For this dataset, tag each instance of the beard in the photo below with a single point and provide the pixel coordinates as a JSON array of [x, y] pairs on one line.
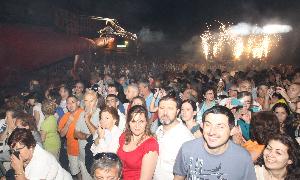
[[165, 120]]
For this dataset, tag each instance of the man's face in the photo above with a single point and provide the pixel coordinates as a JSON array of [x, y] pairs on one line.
[[79, 88], [209, 95], [63, 93], [167, 112], [245, 86], [90, 102], [262, 90], [143, 90], [112, 90], [293, 91], [131, 93], [111, 102], [216, 131], [72, 104], [232, 92], [106, 174], [10, 121]]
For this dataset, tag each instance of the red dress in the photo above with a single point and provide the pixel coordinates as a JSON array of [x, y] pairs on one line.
[[132, 161]]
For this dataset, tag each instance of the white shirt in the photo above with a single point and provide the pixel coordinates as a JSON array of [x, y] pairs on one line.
[[38, 108], [169, 144], [122, 121], [43, 165], [110, 143]]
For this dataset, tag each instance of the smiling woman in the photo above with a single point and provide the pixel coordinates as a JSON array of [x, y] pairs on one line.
[[138, 149], [280, 159]]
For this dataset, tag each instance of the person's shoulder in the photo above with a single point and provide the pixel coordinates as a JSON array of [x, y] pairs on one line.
[[237, 149], [192, 143]]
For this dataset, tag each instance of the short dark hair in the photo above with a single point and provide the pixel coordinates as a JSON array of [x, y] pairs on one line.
[[112, 95], [26, 120], [172, 98], [220, 110], [263, 125], [22, 136]]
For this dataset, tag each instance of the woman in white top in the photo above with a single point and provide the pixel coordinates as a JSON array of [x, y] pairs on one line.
[[36, 110], [30, 161], [106, 138], [280, 160]]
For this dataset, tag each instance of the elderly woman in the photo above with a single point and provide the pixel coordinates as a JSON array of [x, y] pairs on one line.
[[30, 161], [106, 166]]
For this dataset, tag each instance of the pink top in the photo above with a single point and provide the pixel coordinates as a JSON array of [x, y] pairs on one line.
[[132, 161]]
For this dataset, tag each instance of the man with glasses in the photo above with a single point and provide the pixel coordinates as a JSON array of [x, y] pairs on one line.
[[30, 161], [107, 166]]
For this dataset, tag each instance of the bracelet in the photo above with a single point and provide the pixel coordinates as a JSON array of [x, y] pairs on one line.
[[19, 174]]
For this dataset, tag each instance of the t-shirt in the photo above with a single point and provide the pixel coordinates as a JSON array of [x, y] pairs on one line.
[[52, 141], [43, 165], [194, 162], [72, 143], [132, 161], [81, 126]]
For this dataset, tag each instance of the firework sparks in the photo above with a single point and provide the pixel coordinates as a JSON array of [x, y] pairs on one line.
[[242, 40]]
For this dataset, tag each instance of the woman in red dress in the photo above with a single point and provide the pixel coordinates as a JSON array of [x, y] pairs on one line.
[[138, 149]]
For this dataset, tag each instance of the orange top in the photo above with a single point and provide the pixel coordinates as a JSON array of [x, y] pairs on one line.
[[254, 149], [72, 143]]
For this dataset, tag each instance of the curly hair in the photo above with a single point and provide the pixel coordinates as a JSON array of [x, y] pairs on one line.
[[263, 125], [48, 107], [293, 153], [137, 109]]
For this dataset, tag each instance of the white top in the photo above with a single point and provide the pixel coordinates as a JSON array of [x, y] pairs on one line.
[[38, 108], [122, 121], [43, 165], [110, 143], [259, 170], [169, 145]]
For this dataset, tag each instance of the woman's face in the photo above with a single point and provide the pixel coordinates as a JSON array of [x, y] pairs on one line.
[[281, 114], [138, 124], [187, 112], [106, 120], [276, 155], [25, 152]]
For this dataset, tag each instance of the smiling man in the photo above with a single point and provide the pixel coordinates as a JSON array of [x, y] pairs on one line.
[[214, 156]]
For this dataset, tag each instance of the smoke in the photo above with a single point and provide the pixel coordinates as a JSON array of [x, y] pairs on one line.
[[146, 35], [243, 29]]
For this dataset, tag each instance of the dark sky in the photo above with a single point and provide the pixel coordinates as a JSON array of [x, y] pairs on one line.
[[177, 19], [184, 17]]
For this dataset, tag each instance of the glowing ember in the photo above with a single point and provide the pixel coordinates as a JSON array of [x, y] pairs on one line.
[[242, 41]]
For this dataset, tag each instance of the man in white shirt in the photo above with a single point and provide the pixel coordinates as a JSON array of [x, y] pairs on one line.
[[170, 136]]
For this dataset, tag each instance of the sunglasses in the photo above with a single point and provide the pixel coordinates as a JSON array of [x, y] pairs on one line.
[[106, 155]]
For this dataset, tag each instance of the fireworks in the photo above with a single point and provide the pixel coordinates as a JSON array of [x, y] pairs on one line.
[[241, 41]]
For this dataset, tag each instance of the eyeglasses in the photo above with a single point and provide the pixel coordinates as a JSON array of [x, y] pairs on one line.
[[15, 151], [107, 155]]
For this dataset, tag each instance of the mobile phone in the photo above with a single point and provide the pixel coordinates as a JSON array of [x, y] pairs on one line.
[[17, 154]]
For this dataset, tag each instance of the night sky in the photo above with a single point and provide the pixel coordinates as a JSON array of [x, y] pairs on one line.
[[177, 20]]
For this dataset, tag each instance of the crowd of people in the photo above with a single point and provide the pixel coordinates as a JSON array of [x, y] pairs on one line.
[[157, 120]]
